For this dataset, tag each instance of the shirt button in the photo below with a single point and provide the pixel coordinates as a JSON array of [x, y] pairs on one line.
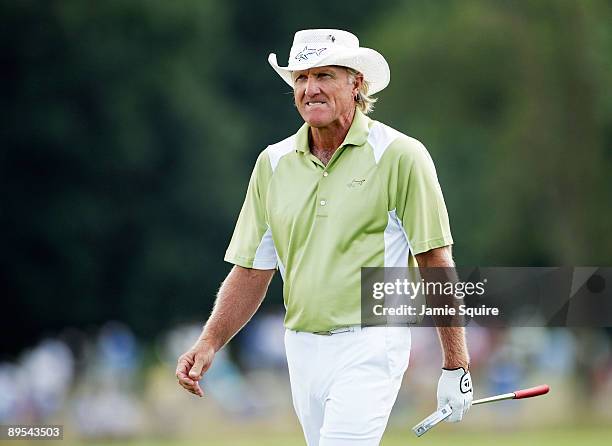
[[323, 202], [325, 174]]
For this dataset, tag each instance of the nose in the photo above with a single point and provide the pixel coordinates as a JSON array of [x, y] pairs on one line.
[[312, 86]]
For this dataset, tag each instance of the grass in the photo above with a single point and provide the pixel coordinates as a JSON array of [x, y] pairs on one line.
[[585, 436]]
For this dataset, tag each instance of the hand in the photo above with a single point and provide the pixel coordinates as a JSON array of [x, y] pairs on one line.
[[455, 388], [193, 364]]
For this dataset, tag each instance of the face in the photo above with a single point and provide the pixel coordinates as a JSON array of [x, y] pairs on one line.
[[324, 95]]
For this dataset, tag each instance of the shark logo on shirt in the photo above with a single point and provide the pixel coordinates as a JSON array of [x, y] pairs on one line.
[[356, 183]]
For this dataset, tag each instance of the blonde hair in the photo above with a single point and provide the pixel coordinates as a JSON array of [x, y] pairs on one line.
[[363, 100]]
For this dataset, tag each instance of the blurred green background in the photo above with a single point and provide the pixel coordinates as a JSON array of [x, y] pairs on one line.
[[129, 132]]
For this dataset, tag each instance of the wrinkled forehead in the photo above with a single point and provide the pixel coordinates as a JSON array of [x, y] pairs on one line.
[[315, 70]]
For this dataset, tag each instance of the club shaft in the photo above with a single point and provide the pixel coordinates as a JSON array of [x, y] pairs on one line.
[[491, 399], [517, 394]]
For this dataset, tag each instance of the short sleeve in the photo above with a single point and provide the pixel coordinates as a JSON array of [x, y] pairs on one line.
[[420, 204], [251, 245]]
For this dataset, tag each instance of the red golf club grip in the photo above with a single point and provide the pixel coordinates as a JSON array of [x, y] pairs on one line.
[[532, 391]]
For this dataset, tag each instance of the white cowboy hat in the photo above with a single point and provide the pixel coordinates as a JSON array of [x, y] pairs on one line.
[[321, 47]]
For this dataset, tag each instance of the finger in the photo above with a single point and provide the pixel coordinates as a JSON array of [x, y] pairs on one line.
[[462, 410], [182, 371], [455, 417], [187, 381], [198, 369], [198, 390], [187, 384], [457, 411], [462, 404], [182, 368], [195, 388], [190, 385], [182, 376], [187, 387], [442, 402], [467, 405]]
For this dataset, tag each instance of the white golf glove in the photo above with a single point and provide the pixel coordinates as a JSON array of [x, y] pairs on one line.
[[455, 388]]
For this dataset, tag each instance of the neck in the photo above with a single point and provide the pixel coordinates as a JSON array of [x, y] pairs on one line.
[[329, 138]]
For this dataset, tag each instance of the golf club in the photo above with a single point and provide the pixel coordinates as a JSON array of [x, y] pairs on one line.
[[445, 411]]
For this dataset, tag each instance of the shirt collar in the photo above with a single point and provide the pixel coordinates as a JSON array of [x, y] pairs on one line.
[[356, 136]]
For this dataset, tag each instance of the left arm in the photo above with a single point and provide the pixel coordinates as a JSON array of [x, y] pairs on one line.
[[452, 339], [455, 384]]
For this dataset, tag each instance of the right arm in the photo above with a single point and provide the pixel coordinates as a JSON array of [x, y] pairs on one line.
[[238, 299]]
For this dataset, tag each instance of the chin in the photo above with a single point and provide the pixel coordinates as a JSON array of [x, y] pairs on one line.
[[318, 124], [317, 120]]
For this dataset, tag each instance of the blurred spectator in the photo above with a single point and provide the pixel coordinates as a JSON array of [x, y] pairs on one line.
[[262, 342], [108, 414], [10, 394], [107, 405], [45, 374]]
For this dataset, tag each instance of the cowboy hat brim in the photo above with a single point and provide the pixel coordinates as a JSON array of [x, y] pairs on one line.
[[367, 61]]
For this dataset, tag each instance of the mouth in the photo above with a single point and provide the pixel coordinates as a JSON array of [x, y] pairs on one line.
[[314, 103]]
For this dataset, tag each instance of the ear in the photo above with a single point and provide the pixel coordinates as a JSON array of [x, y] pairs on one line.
[[358, 83]]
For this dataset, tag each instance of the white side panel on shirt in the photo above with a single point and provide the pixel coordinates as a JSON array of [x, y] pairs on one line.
[[397, 246], [265, 256]]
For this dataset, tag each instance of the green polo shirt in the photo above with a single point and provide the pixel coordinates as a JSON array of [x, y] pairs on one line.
[[377, 203]]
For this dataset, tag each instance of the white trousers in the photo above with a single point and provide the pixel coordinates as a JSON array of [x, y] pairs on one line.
[[344, 385]]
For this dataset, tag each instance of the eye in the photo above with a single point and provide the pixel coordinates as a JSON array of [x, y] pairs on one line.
[[301, 77], [323, 75]]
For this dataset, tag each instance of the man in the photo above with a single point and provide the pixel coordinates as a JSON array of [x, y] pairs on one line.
[[343, 192]]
